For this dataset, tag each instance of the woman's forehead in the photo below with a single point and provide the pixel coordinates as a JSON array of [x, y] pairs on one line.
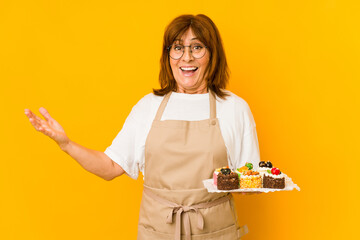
[[188, 35], [183, 40]]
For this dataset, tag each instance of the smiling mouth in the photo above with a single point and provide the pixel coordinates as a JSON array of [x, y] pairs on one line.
[[188, 71]]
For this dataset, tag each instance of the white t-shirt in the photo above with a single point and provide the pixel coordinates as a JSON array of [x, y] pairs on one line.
[[237, 126]]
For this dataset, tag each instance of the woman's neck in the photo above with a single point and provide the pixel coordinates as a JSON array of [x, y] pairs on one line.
[[201, 90]]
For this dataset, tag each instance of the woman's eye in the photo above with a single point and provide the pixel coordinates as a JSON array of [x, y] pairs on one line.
[[197, 47], [178, 47]]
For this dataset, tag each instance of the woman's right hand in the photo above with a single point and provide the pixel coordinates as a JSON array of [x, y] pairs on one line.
[[50, 127], [93, 161]]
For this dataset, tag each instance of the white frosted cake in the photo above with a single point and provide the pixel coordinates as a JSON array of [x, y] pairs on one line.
[[264, 167], [274, 179]]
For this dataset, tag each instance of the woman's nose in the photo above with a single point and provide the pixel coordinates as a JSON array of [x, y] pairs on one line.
[[187, 54]]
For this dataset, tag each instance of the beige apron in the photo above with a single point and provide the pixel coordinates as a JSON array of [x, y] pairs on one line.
[[175, 204]]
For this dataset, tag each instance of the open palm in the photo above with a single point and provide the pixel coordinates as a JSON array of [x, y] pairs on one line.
[[50, 127]]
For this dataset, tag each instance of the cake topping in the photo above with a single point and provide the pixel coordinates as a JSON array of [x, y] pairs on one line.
[[275, 171], [250, 173], [249, 165], [269, 164], [225, 171], [262, 164], [242, 169]]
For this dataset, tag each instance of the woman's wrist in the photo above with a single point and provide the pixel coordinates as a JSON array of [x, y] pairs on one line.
[[65, 146]]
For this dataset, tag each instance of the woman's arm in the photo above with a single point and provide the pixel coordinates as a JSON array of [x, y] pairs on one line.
[[93, 161]]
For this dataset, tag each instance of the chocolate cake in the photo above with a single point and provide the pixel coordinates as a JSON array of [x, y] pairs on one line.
[[227, 180], [274, 179]]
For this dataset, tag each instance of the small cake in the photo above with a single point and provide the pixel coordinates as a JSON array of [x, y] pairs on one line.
[[227, 179], [250, 179], [215, 175], [264, 167], [274, 178]]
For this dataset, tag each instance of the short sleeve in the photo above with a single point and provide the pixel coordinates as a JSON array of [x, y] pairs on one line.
[[246, 141], [122, 149], [250, 147], [249, 144], [127, 149]]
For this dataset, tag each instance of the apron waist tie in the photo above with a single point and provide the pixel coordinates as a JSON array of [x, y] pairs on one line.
[[179, 210]]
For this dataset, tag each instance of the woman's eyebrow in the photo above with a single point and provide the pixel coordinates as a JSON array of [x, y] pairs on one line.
[[180, 40]]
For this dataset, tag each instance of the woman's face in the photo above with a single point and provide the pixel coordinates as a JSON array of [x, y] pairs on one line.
[[189, 72]]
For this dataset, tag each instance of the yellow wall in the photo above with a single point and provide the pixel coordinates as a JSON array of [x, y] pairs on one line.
[[88, 62]]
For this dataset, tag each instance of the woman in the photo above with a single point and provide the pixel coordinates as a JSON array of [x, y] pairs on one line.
[[176, 137]]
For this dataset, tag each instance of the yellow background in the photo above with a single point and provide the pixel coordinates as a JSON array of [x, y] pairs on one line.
[[88, 62]]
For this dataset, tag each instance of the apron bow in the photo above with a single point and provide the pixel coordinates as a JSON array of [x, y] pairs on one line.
[[179, 210]]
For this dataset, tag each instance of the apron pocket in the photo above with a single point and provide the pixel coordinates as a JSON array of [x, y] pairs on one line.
[[229, 233], [146, 233], [216, 218]]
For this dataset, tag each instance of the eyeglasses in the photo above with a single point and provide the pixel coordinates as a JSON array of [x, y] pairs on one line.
[[197, 50]]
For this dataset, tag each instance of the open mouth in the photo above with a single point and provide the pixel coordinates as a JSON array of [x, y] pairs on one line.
[[188, 71]]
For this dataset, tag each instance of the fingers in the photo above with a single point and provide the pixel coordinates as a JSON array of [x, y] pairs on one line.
[[39, 124], [250, 193], [46, 130], [28, 113], [36, 121], [45, 113]]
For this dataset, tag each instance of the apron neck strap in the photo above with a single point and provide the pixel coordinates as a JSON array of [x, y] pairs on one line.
[[167, 97], [212, 105], [162, 106]]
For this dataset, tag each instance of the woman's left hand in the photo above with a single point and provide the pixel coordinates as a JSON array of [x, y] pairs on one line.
[[247, 193]]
